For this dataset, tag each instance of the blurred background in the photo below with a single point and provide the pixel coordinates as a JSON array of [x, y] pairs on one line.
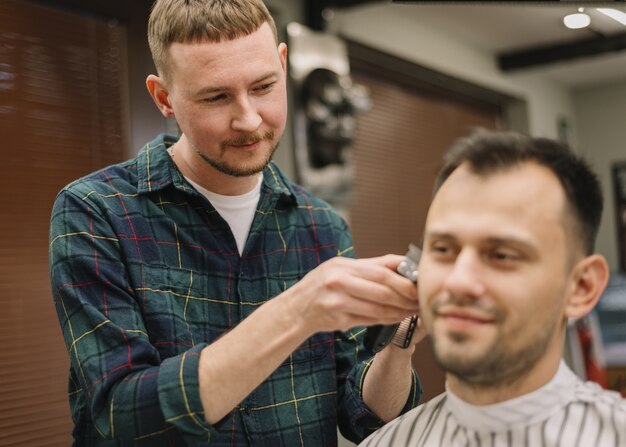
[[378, 90]]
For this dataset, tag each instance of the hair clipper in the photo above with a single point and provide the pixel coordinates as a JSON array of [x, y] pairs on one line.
[[380, 335]]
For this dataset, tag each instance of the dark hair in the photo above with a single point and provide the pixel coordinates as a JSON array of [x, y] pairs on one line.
[[487, 152]]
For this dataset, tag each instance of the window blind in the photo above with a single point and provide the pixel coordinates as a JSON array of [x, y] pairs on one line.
[[62, 90], [397, 153]]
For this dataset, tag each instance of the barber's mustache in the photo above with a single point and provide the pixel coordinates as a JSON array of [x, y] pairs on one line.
[[248, 139]]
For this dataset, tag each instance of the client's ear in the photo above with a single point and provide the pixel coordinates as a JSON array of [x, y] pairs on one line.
[[588, 280]]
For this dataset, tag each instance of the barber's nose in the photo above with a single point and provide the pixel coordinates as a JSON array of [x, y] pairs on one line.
[[466, 276], [246, 118]]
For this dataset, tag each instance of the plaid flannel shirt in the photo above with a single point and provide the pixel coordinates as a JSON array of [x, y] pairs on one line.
[[145, 273]]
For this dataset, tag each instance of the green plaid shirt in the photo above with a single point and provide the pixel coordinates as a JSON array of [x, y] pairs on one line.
[[145, 273]]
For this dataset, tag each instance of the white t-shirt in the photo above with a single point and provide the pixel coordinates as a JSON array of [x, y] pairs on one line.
[[237, 211], [566, 412]]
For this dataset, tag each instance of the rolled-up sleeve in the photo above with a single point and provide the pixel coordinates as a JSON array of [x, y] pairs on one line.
[[355, 419]]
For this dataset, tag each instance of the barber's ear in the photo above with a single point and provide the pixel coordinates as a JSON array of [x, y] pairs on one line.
[[160, 95], [282, 54], [588, 281]]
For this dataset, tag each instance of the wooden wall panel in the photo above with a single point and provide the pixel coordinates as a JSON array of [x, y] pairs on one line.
[[62, 79]]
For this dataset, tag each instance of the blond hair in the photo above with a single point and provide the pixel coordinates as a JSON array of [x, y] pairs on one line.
[[201, 20]]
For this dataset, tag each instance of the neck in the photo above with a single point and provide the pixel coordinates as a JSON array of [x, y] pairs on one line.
[[507, 389], [194, 167]]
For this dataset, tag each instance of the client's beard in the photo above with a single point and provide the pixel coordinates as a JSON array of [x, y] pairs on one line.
[[499, 363]]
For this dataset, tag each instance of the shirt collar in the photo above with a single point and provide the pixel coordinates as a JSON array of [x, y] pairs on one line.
[[157, 171], [524, 410]]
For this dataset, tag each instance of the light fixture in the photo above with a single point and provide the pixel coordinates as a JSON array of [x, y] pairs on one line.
[[619, 16], [577, 20]]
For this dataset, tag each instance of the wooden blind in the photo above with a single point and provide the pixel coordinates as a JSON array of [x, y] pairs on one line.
[[397, 152], [61, 114]]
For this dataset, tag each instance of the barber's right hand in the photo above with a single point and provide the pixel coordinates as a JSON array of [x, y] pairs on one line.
[[343, 293]]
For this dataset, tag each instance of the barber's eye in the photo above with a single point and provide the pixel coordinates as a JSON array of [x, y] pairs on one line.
[[214, 99], [264, 87]]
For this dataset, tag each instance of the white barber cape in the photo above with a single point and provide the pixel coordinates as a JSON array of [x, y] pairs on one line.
[[566, 412]]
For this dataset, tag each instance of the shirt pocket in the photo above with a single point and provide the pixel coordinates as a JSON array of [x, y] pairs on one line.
[[183, 307]]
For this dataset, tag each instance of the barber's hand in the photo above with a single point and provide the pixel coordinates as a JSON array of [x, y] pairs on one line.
[[343, 293]]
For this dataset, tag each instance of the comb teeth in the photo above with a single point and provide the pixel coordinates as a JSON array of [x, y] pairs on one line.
[[402, 337]]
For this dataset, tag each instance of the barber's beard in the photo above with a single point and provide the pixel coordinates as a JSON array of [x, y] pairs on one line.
[[242, 169], [501, 362]]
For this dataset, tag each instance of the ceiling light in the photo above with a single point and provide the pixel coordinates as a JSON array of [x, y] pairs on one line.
[[576, 21], [620, 16]]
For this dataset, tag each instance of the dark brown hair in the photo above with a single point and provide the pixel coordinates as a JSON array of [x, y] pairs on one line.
[[487, 152]]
